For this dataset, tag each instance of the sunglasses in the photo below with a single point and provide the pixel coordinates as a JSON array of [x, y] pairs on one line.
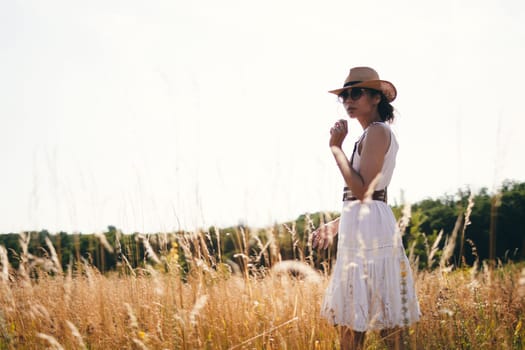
[[355, 94]]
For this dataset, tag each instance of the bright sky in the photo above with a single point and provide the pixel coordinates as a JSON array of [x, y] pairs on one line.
[[160, 115]]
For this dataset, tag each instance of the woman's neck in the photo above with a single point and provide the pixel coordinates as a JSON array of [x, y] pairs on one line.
[[367, 120]]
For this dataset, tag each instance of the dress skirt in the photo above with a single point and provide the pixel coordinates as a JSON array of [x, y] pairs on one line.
[[371, 286]]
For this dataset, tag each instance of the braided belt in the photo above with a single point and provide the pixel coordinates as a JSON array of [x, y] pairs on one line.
[[377, 195]]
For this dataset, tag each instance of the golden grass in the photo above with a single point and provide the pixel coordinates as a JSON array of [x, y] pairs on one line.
[[215, 308]]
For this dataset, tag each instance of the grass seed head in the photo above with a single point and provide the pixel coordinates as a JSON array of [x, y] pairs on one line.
[[521, 283], [76, 334], [53, 343], [297, 269], [4, 263]]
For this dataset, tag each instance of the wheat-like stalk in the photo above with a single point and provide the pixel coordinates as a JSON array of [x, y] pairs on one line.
[[450, 244], [54, 257], [53, 343], [4, 262], [76, 334], [104, 242], [263, 250], [150, 253], [297, 268], [157, 283], [139, 344], [132, 319], [199, 304], [468, 212], [264, 333], [521, 283], [275, 255], [434, 249], [404, 220]]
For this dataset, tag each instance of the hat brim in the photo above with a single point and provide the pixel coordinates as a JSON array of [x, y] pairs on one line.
[[386, 87]]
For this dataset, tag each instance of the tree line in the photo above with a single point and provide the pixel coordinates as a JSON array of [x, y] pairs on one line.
[[483, 225]]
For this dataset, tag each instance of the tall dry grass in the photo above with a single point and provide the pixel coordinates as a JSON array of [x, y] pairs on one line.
[[213, 305]]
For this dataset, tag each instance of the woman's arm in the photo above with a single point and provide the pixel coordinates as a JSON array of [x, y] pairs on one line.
[[374, 147]]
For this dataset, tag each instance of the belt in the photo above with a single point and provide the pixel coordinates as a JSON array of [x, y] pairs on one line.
[[377, 195]]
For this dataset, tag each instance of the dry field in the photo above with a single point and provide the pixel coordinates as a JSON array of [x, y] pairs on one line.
[[212, 306]]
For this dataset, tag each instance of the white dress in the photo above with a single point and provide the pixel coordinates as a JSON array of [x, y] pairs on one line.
[[371, 286]]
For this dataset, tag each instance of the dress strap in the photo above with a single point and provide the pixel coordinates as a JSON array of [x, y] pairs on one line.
[[356, 144], [353, 153]]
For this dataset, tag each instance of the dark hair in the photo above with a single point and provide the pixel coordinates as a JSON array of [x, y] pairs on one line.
[[385, 109]]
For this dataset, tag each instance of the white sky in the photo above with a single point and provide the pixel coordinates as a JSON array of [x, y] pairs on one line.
[[160, 115]]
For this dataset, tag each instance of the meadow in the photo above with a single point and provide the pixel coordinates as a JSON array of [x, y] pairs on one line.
[[209, 303]]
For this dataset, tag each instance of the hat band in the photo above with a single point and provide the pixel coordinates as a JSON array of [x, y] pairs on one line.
[[350, 83]]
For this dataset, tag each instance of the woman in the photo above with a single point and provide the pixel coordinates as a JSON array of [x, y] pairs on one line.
[[371, 287]]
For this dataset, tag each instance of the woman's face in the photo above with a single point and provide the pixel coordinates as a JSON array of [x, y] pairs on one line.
[[358, 102]]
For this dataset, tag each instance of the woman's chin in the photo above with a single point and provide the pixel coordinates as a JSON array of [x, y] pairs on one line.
[[351, 114]]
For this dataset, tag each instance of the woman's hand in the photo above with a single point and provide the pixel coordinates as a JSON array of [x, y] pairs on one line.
[[338, 133], [324, 235]]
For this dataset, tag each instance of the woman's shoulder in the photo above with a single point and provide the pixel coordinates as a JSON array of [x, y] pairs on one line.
[[379, 125], [380, 135], [378, 129]]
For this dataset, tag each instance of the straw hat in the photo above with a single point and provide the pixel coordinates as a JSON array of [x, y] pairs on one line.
[[366, 77]]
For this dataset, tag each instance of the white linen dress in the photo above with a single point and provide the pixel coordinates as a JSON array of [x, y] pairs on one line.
[[371, 286]]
